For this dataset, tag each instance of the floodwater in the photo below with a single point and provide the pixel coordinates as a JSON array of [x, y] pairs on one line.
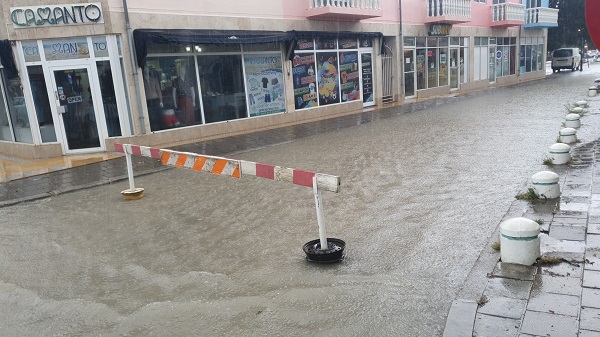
[[203, 255]]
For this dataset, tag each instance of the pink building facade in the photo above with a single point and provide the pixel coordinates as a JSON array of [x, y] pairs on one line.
[[79, 76]]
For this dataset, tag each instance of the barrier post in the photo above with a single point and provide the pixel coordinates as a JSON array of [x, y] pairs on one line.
[[320, 217], [132, 193], [130, 171]]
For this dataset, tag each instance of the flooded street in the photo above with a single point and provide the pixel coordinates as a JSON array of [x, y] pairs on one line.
[[202, 255]]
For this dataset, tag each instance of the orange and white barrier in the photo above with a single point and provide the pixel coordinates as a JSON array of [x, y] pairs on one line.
[[235, 169], [231, 167]]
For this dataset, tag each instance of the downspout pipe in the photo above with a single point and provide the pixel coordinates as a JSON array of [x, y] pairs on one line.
[[136, 81], [401, 42]]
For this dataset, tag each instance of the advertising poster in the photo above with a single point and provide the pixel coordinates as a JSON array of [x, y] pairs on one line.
[[305, 83], [264, 82], [367, 77], [327, 78], [349, 76]]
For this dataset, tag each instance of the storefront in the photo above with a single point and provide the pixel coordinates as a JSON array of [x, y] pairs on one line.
[[64, 93], [194, 77]]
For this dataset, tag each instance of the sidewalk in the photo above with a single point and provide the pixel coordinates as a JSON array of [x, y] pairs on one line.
[[561, 299], [43, 178]]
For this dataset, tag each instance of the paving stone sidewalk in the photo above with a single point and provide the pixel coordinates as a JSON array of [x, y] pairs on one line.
[[558, 299]]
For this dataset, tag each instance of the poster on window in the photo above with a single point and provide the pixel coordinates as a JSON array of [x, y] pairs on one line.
[[305, 83], [327, 77], [367, 77], [264, 83], [349, 76]]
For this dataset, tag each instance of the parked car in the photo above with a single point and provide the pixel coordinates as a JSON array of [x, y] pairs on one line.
[[566, 58]]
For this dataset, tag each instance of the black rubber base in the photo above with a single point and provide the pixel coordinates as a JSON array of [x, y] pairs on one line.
[[333, 253]]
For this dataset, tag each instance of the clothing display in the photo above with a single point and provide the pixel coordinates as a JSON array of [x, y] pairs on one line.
[[185, 102]]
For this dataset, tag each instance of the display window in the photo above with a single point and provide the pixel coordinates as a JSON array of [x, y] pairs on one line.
[[333, 73], [221, 83]]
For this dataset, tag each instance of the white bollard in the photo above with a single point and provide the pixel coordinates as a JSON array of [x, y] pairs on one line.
[[592, 92], [519, 241], [568, 135], [559, 153], [576, 110], [573, 121], [545, 184]]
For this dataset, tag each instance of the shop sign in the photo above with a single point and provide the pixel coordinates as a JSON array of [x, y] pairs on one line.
[[56, 15], [66, 49], [439, 29]]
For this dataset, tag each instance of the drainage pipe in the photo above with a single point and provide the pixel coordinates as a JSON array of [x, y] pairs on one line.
[[136, 81]]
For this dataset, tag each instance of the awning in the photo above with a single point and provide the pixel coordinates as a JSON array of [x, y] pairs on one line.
[[201, 36], [7, 59], [141, 38]]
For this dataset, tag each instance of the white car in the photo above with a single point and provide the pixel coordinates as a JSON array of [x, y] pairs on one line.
[[566, 58]]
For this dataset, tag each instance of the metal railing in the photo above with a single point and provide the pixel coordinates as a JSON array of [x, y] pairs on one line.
[[541, 15], [453, 8], [359, 4], [508, 12]]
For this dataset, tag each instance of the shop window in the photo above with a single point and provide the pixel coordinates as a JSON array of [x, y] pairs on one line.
[[264, 83], [366, 43], [261, 47], [432, 67], [31, 51], [41, 103], [100, 46], [305, 44], [5, 130], [109, 99], [348, 44], [17, 109], [305, 81], [409, 42], [66, 49], [421, 69], [176, 77], [222, 87], [325, 43], [349, 76], [327, 78]]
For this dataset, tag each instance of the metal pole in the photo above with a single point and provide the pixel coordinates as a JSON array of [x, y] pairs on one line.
[[129, 171], [134, 68], [320, 218]]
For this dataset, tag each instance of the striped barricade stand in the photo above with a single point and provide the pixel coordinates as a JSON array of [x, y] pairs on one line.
[[323, 250]]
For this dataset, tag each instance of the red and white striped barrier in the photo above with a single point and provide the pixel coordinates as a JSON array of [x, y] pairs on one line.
[[231, 167], [235, 169]]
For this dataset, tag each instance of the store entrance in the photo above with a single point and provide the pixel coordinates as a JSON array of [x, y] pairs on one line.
[[75, 98]]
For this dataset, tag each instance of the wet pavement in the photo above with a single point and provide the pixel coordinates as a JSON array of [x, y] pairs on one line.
[[424, 187]]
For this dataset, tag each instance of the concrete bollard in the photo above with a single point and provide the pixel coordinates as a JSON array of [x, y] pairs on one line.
[[519, 241], [592, 92], [573, 121], [545, 184], [559, 153], [568, 135], [576, 110], [583, 104]]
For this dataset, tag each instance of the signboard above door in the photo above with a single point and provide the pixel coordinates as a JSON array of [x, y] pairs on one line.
[[57, 15]]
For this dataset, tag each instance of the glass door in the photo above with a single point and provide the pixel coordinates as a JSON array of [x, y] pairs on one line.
[[75, 98], [409, 73], [366, 76], [454, 62], [492, 62]]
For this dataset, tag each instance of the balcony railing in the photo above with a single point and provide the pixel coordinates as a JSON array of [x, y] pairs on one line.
[[448, 11], [360, 4], [508, 14], [345, 10], [541, 17]]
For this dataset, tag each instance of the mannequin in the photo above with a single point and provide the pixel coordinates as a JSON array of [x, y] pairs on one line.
[[184, 96], [154, 99]]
